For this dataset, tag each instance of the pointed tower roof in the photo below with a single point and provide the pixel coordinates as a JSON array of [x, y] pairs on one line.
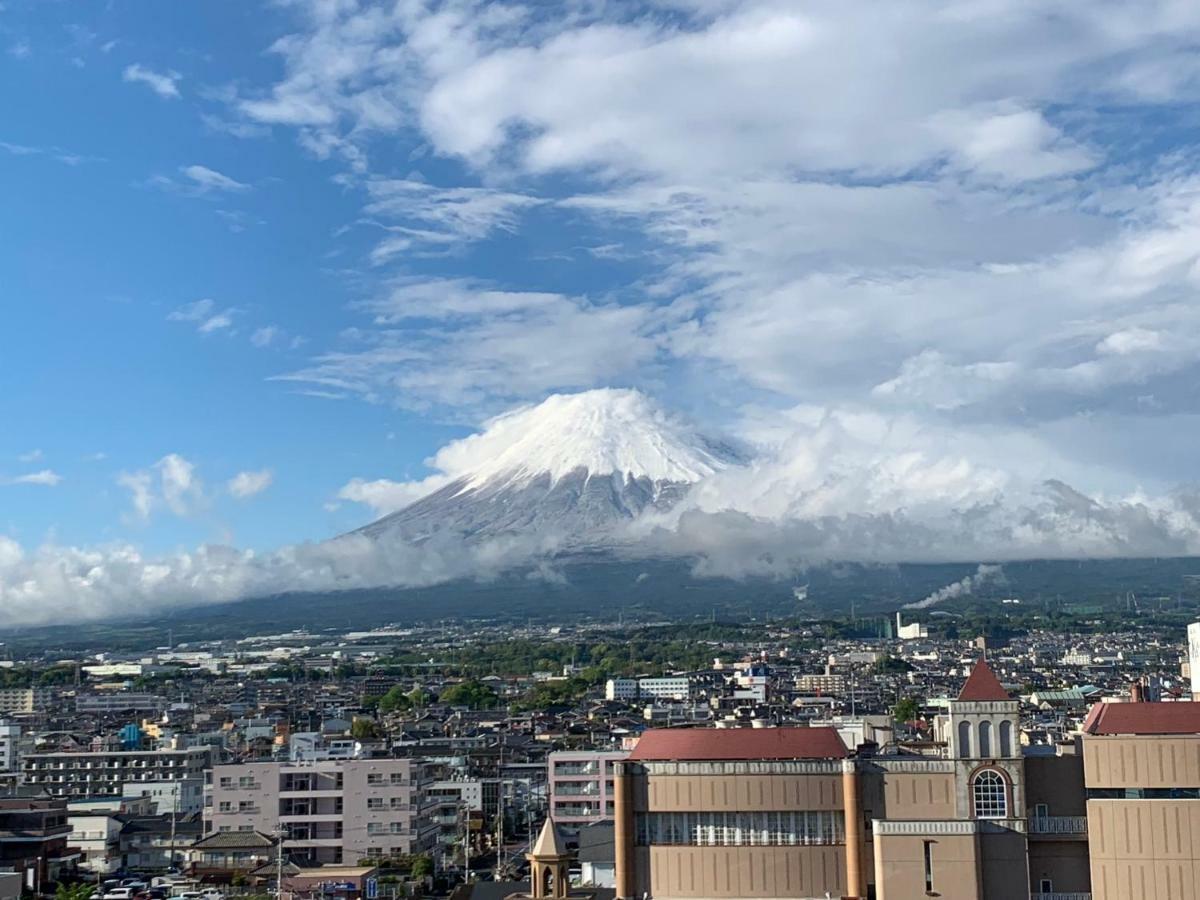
[[549, 843], [982, 685]]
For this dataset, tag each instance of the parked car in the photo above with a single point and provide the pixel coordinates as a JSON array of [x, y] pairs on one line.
[[119, 893]]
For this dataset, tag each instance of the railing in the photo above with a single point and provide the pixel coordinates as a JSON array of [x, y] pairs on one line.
[[1061, 895], [1058, 825]]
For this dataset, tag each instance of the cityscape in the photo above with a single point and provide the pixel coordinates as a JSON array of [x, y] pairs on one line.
[[612, 760], [599, 450]]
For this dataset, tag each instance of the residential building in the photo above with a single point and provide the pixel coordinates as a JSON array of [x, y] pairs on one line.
[[149, 843], [119, 703], [181, 797], [23, 700], [33, 836], [106, 774], [581, 786], [10, 747], [673, 687], [335, 811], [225, 856]]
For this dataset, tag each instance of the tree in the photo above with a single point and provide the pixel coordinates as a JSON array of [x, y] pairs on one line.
[[906, 709], [394, 700], [471, 694], [422, 866], [364, 729], [74, 891]]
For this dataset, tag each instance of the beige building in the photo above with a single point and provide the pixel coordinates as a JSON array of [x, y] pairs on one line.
[[1141, 769], [790, 813], [334, 812]]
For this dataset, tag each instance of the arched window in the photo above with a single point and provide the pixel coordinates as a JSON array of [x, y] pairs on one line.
[[964, 739], [990, 793], [1006, 743], [985, 739]]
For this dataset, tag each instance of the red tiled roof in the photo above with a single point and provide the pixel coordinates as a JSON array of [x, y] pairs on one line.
[[982, 685], [1143, 718], [705, 744]]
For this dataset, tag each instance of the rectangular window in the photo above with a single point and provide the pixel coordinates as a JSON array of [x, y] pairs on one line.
[[397, 778], [374, 778], [225, 806], [928, 867], [374, 828], [738, 829], [374, 803], [1045, 886]]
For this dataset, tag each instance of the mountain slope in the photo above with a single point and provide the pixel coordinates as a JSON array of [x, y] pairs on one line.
[[571, 472]]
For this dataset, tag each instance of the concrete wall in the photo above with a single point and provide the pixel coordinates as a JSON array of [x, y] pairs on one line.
[[1145, 762], [1056, 781], [744, 793], [767, 872], [1004, 866], [900, 867], [1144, 848], [1065, 863], [908, 795]]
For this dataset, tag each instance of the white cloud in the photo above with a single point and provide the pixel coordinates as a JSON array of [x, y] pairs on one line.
[[206, 179], [45, 477], [171, 483], [265, 336], [165, 84], [385, 496], [248, 484], [31, 456], [503, 344], [432, 219], [204, 315]]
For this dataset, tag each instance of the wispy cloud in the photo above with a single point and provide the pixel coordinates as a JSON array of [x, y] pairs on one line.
[[66, 157], [198, 181], [248, 484], [204, 315], [45, 478], [165, 84]]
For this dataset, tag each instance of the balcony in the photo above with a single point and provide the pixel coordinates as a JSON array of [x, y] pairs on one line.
[[1061, 895], [1058, 826]]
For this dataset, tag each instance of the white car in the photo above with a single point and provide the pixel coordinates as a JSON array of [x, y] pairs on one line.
[[119, 893]]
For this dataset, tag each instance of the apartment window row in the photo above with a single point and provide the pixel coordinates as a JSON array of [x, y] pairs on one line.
[[375, 828], [244, 782], [741, 829], [395, 779], [1172, 793], [392, 803]]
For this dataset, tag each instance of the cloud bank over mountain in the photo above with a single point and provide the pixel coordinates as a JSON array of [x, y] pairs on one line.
[[841, 487]]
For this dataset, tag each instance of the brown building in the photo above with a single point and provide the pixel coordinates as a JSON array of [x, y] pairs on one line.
[[790, 813], [1141, 769]]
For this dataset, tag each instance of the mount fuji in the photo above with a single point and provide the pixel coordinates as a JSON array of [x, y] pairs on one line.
[[570, 473]]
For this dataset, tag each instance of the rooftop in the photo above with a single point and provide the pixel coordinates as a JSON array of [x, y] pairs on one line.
[[711, 744], [982, 685], [1143, 718]]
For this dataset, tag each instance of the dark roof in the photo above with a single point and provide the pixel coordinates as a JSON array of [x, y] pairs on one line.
[[234, 840], [821, 742], [1181, 717], [982, 686]]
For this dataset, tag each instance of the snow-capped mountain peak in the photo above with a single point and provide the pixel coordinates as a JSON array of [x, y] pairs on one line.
[[574, 469], [604, 431]]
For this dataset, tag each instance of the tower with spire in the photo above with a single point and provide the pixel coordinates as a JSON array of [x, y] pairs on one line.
[[549, 865]]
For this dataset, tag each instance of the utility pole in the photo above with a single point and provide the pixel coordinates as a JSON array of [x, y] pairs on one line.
[[174, 808], [280, 831]]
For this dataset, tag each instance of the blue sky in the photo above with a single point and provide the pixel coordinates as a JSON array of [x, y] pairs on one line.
[[106, 237], [261, 261]]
